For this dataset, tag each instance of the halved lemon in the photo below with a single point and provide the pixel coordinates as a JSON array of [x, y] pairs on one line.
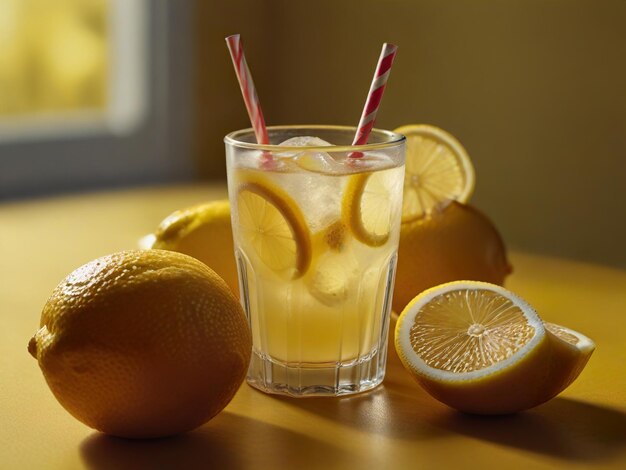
[[438, 170], [273, 227], [367, 206], [479, 348]]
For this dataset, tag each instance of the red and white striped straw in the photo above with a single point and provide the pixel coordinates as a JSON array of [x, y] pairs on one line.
[[374, 97], [247, 88]]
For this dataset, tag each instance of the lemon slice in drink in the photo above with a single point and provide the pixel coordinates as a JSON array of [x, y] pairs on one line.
[[272, 226], [367, 205], [475, 347], [438, 170]]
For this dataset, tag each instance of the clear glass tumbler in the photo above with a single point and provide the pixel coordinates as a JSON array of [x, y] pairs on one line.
[[316, 224]]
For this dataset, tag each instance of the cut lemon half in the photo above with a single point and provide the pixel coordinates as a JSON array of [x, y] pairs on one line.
[[367, 206], [480, 348], [476, 347], [272, 226], [438, 170]]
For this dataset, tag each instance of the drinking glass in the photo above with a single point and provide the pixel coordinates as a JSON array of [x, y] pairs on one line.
[[316, 224]]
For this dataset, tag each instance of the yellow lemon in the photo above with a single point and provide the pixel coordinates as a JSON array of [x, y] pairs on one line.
[[143, 343], [204, 232], [458, 242], [438, 170], [481, 349]]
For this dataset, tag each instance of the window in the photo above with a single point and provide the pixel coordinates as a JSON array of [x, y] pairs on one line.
[[86, 97], [54, 59]]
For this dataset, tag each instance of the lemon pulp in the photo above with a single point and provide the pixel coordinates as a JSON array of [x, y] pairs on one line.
[[467, 330]]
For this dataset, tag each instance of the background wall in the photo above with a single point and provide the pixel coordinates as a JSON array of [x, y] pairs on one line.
[[533, 88]]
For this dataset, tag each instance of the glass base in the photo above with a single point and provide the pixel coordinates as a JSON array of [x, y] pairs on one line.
[[316, 380]]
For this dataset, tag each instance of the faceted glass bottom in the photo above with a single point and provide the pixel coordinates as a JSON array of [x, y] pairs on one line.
[[314, 380]]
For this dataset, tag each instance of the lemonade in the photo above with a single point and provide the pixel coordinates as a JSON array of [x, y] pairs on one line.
[[316, 234]]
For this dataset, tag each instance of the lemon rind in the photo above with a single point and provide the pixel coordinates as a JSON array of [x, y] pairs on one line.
[[585, 344], [182, 222], [352, 215]]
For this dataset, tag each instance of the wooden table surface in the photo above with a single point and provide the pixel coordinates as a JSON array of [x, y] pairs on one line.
[[396, 426]]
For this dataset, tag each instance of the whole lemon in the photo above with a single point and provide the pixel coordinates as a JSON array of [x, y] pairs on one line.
[[204, 232], [456, 243], [143, 344]]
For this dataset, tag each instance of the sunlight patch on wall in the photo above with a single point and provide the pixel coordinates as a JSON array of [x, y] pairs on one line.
[[72, 68], [54, 57]]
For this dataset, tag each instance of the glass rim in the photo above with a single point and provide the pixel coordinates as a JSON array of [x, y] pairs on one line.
[[393, 139]]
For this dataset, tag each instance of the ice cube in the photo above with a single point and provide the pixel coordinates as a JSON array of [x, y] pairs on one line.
[[319, 162], [307, 181], [311, 160], [305, 141]]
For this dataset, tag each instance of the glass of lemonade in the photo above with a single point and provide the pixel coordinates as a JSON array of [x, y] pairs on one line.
[[316, 223]]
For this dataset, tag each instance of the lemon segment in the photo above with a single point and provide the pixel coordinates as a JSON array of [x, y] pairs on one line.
[[367, 206], [571, 351], [272, 226], [438, 170]]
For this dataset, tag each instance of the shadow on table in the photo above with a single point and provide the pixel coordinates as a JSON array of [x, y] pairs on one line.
[[228, 441], [562, 428]]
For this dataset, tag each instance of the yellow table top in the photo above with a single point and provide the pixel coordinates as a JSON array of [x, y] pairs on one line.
[[396, 426]]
